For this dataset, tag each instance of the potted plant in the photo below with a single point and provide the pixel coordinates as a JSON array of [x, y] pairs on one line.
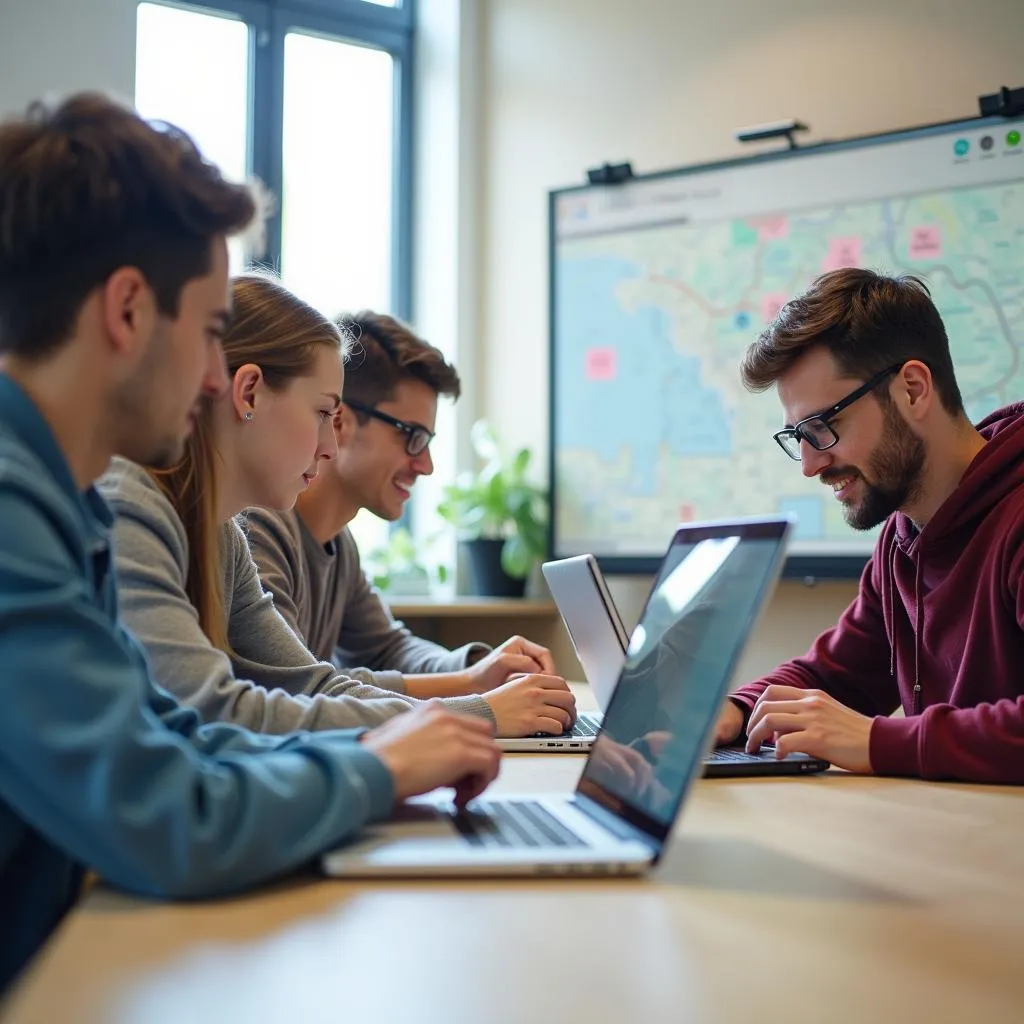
[[501, 517], [397, 568]]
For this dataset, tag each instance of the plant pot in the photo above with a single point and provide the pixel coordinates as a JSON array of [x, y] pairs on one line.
[[486, 576]]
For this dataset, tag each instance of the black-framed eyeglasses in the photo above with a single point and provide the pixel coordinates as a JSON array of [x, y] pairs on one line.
[[817, 430], [417, 437]]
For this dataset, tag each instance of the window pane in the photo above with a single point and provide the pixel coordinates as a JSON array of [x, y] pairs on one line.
[[369, 531], [337, 168], [192, 69]]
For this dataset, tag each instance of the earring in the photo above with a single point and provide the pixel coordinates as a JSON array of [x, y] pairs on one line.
[[248, 416]]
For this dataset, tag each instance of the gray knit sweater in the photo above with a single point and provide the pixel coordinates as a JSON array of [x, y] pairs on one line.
[[271, 683], [324, 595]]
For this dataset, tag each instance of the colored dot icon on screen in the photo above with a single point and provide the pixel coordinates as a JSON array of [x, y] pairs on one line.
[[961, 146], [987, 142], [1013, 137], [742, 320]]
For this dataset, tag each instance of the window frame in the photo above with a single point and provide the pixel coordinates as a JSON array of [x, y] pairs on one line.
[[391, 29]]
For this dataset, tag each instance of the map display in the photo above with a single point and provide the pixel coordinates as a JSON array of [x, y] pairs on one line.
[[659, 286]]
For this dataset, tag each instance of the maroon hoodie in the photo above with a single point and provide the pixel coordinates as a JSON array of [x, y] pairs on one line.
[[938, 625]]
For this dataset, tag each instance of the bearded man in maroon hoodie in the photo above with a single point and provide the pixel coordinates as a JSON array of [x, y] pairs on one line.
[[872, 408]]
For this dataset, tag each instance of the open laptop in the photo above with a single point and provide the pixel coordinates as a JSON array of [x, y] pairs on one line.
[[600, 639], [657, 728]]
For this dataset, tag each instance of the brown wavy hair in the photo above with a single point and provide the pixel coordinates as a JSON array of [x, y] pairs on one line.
[[867, 321], [385, 352], [281, 334], [86, 187]]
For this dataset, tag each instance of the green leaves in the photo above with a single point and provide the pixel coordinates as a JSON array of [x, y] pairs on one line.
[[515, 558], [397, 565], [499, 502]]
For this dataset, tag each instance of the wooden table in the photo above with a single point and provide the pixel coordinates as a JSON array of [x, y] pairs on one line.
[[825, 900]]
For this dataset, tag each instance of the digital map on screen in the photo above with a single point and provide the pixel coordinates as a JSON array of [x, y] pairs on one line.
[[653, 425]]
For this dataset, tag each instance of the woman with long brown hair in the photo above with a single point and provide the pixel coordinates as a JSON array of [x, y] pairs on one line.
[[187, 585]]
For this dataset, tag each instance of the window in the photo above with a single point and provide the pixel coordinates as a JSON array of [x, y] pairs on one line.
[[337, 173], [214, 108], [314, 98]]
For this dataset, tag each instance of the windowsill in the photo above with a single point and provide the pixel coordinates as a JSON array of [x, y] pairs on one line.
[[471, 607]]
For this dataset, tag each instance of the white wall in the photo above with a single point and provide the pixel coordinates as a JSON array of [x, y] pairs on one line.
[[52, 47], [572, 83]]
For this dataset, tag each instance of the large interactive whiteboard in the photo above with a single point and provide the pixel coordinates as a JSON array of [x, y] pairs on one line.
[[659, 284]]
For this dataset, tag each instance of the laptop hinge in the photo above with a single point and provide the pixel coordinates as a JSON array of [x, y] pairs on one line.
[[613, 823]]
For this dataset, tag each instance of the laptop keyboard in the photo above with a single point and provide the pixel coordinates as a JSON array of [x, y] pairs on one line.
[[513, 823], [734, 754], [585, 728]]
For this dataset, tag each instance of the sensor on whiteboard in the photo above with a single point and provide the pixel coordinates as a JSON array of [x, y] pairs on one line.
[[771, 130]]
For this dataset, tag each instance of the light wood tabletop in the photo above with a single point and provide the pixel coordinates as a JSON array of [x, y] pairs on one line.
[[820, 899]]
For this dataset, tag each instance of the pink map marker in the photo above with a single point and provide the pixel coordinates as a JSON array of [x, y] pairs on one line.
[[771, 304], [842, 252], [602, 364], [771, 229], [926, 242]]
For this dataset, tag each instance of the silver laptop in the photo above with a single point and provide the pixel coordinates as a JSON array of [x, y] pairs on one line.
[[593, 623], [658, 725], [599, 639]]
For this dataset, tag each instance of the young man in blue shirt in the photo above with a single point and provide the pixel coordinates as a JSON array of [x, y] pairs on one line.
[[113, 300]]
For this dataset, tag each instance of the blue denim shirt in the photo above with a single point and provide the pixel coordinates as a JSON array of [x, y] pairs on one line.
[[99, 767]]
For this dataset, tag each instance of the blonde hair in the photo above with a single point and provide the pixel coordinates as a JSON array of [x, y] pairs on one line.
[[281, 334]]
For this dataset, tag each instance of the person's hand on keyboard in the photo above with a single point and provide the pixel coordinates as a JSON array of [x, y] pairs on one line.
[[516, 656], [431, 747], [810, 722], [527, 705]]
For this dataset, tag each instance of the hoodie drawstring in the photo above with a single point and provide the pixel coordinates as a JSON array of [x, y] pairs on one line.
[[891, 607], [918, 623], [918, 627]]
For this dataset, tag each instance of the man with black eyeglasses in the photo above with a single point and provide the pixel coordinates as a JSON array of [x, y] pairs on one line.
[[308, 558], [873, 410]]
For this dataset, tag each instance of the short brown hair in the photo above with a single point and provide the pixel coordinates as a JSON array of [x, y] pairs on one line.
[[385, 352], [282, 335], [868, 322], [87, 187]]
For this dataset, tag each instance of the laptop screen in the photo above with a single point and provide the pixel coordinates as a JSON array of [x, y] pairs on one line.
[[678, 666]]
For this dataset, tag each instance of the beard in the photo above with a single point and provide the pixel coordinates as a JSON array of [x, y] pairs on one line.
[[148, 439], [893, 478]]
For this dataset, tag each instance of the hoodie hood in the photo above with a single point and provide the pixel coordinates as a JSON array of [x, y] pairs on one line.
[[997, 470]]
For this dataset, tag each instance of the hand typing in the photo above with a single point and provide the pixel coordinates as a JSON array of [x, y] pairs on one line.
[[811, 722]]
